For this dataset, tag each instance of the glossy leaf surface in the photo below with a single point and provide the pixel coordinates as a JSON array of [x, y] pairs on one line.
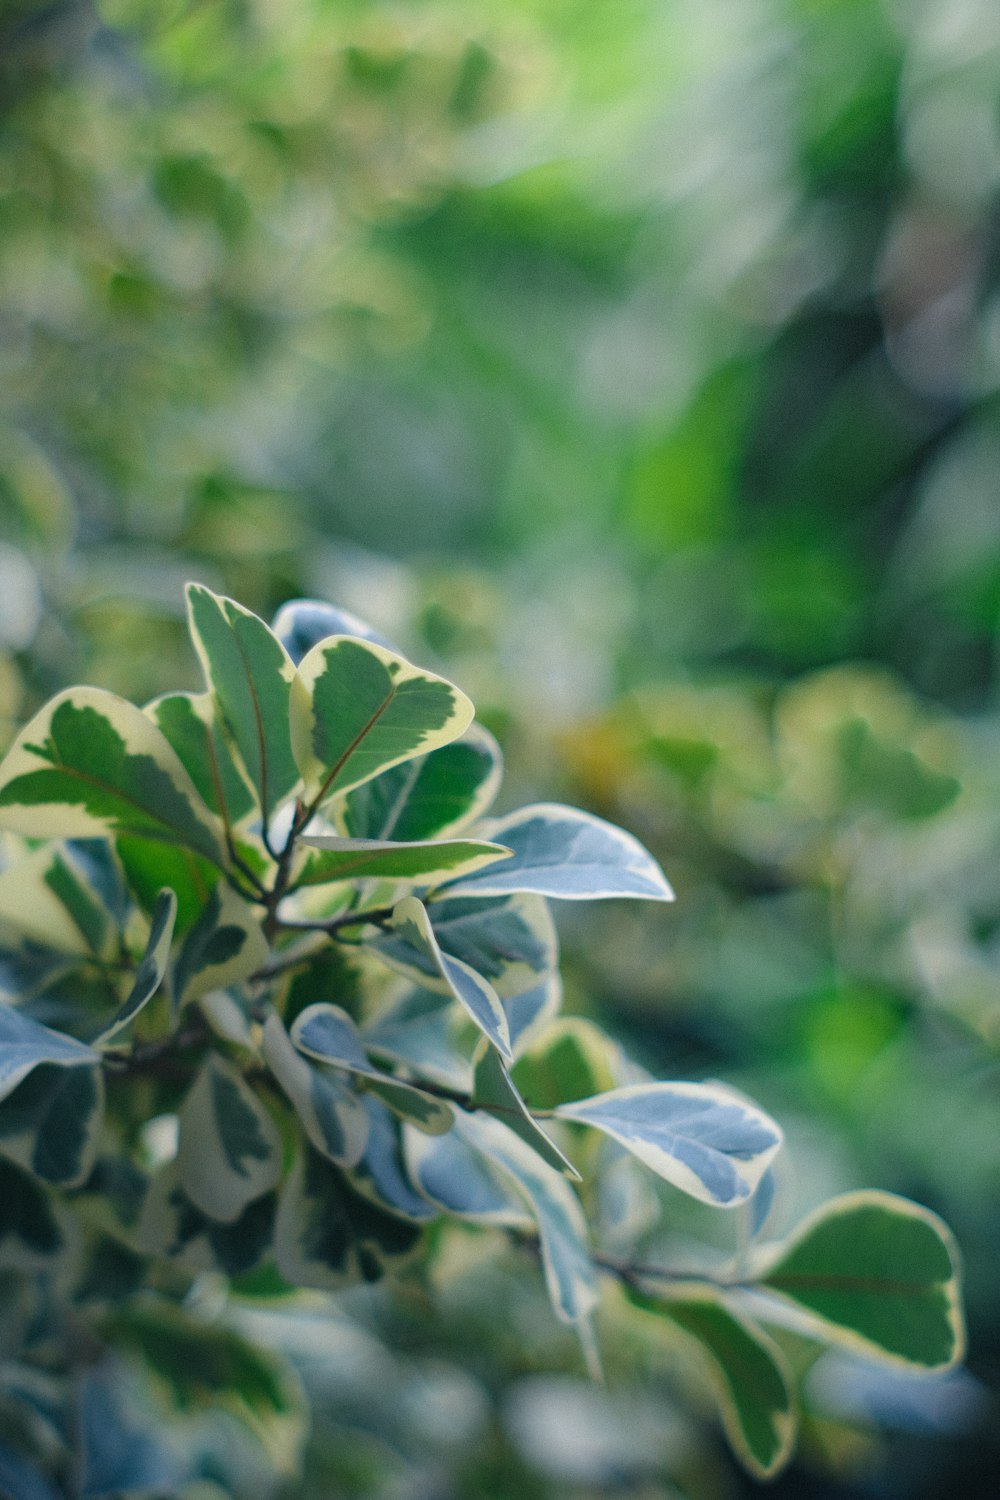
[[561, 852], [705, 1139]]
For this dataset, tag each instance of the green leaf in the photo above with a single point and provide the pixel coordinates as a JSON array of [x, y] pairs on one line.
[[205, 1366], [152, 967], [705, 1139], [25, 1043], [358, 710], [50, 1125], [229, 1150], [409, 944], [332, 1115], [749, 1372], [426, 863], [880, 1273], [90, 765], [88, 914], [429, 797], [494, 1090], [225, 946], [572, 1058], [328, 1236], [562, 852], [149, 867], [327, 1034], [189, 722], [28, 1226], [249, 674]]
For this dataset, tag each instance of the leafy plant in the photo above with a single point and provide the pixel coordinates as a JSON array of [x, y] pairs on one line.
[[283, 1003]]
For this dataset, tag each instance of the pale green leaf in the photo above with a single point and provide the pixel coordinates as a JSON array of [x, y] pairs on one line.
[[426, 863], [562, 852], [229, 1150]]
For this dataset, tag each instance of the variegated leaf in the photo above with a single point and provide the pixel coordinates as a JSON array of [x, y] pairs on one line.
[[31, 907], [327, 1034], [225, 946], [51, 1123], [511, 940], [494, 1090], [409, 944], [249, 674], [570, 1274], [328, 1236], [331, 1113], [191, 723], [430, 797], [562, 852], [429, 862], [879, 1274], [358, 709], [171, 1225], [152, 966], [91, 765], [752, 1381], [705, 1139], [417, 1031], [453, 1174], [380, 1174], [24, 1044], [229, 1150]]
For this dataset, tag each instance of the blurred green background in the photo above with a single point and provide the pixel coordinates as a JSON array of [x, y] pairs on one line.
[[638, 365]]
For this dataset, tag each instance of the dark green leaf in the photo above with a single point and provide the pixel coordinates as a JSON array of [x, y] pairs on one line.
[[248, 672], [494, 1090], [431, 796], [749, 1372], [880, 1273], [152, 966]]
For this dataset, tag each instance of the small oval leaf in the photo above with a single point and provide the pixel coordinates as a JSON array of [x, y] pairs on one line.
[[571, 855], [705, 1139]]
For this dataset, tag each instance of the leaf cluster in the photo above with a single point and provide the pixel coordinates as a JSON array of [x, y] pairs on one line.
[[282, 1000]]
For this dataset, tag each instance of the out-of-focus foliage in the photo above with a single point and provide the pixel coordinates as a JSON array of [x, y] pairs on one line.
[[641, 362]]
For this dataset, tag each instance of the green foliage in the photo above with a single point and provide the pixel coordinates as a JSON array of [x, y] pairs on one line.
[[350, 1049]]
